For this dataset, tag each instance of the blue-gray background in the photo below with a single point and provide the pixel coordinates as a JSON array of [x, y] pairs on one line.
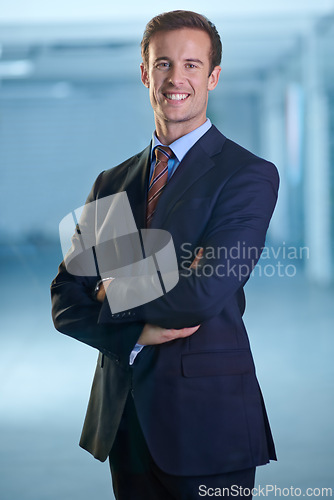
[[71, 105]]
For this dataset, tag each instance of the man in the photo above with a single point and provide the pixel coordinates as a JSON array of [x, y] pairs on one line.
[[183, 416]]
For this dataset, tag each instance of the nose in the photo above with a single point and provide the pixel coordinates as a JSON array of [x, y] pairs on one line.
[[176, 75]]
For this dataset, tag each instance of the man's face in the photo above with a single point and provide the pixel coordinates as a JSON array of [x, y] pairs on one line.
[[178, 76]]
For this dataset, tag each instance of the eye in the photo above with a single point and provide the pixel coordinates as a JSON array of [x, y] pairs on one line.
[[163, 65], [191, 65]]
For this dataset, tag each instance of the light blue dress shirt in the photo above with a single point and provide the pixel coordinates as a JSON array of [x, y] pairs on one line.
[[180, 148]]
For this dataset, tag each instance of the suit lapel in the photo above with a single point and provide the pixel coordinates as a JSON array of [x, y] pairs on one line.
[[194, 165], [136, 186]]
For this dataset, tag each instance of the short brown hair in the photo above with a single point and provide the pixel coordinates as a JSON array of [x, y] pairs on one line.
[[178, 19]]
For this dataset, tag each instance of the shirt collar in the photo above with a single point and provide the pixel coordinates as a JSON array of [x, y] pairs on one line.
[[181, 146]]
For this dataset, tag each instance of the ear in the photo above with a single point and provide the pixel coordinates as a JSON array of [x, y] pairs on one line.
[[214, 78], [144, 75]]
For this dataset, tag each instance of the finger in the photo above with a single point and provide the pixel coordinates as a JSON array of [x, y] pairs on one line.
[[184, 332], [197, 258]]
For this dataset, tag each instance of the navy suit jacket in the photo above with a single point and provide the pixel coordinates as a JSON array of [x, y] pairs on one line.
[[198, 399]]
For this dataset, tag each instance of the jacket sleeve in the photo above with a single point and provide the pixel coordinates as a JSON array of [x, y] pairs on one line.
[[233, 242], [75, 312]]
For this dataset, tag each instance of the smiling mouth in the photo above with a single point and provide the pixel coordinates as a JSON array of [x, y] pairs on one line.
[[176, 97]]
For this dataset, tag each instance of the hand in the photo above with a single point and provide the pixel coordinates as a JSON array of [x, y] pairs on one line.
[[100, 296], [153, 335], [197, 258]]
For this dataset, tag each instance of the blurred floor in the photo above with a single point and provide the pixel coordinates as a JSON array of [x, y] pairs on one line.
[[45, 384], [46, 378]]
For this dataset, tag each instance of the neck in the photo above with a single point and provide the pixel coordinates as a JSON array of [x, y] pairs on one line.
[[168, 132]]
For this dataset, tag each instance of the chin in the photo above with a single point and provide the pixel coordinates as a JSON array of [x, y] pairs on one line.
[[176, 115]]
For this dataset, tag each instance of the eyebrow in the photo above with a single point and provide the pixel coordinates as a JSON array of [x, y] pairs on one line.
[[196, 61], [193, 60]]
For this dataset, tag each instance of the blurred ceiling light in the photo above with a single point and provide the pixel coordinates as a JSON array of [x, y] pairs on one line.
[[15, 69]]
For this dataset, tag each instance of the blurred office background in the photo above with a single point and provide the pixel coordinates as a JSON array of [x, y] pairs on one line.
[[71, 105]]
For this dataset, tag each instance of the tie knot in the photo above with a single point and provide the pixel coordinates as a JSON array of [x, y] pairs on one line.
[[163, 153]]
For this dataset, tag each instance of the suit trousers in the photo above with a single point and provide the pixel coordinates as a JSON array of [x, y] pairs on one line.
[[135, 475]]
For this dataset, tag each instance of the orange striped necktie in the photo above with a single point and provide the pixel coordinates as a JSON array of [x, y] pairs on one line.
[[158, 181]]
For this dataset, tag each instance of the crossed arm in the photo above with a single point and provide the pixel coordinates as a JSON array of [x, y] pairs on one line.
[[234, 219], [154, 334]]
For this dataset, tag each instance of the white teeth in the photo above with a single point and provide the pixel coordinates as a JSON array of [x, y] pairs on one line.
[[176, 97]]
